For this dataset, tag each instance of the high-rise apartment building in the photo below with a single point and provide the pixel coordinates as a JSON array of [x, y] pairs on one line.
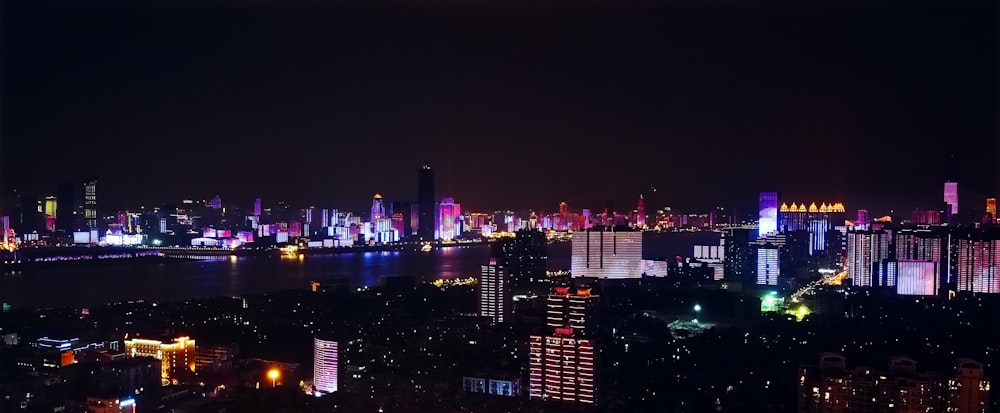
[[563, 365], [978, 263], [991, 209], [175, 357], [607, 254], [90, 212], [968, 388], [325, 364], [494, 292], [768, 264], [768, 216], [865, 252], [911, 277], [425, 203]]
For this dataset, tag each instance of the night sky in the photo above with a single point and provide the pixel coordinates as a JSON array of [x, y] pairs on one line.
[[515, 106]]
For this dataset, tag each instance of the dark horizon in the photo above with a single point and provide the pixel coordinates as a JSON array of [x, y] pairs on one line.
[[514, 106]]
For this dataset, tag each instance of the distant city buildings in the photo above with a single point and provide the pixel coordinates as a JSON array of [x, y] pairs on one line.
[[951, 196], [90, 212]]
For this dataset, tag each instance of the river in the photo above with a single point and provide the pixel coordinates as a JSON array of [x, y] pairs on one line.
[[230, 276]]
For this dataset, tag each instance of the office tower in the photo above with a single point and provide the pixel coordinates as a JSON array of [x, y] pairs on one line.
[[607, 254], [325, 363], [768, 217], [378, 209], [51, 205], [494, 292], [425, 203], [562, 365], [978, 268], [447, 213], [66, 208], [256, 207], [865, 252], [991, 209], [175, 357], [768, 264], [929, 217], [968, 388], [951, 196], [90, 213], [640, 213]]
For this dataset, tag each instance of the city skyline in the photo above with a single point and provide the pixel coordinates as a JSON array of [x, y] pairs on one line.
[[829, 103]]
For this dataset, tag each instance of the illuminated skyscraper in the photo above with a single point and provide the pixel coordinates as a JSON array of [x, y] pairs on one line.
[[90, 213], [640, 213], [562, 366], [216, 202], [768, 265], [494, 292], [256, 207], [607, 254], [991, 209], [378, 210], [447, 212], [862, 220], [425, 203], [951, 196], [768, 217], [325, 364], [652, 207]]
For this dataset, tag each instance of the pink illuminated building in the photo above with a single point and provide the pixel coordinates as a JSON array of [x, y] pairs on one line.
[[640, 213], [447, 215], [562, 365], [951, 196]]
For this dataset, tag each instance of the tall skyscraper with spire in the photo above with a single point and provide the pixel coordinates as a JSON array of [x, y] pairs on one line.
[[425, 203], [640, 212], [378, 209]]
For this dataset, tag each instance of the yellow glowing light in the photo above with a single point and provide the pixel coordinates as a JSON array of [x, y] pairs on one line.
[[273, 374]]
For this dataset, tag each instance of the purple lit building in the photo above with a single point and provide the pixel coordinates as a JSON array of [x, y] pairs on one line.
[[447, 213], [951, 196], [768, 217]]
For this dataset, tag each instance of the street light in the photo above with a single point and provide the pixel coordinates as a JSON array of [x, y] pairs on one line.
[[273, 374]]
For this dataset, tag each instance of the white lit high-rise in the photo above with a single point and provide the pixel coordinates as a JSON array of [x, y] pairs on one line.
[[865, 252], [978, 265], [768, 268], [325, 366], [494, 292], [607, 254]]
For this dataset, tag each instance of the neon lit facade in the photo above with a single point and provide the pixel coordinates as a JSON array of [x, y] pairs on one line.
[[978, 265], [914, 277], [494, 292], [325, 364], [562, 366], [991, 208], [768, 269], [90, 202], [768, 217], [378, 210], [951, 196], [640, 213], [447, 212], [865, 252], [607, 254]]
